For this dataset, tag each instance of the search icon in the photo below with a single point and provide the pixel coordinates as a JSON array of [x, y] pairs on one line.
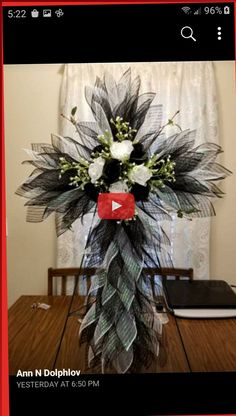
[[187, 33]]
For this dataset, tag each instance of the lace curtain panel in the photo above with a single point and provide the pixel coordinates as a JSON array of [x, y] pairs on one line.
[[188, 87]]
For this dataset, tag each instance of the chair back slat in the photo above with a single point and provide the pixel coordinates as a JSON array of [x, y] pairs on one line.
[[64, 273], [166, 271], [63, 284]]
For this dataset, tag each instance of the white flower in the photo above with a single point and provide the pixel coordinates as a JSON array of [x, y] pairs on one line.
[[118, 186], [121, 150], [140, 174], [96, 168]]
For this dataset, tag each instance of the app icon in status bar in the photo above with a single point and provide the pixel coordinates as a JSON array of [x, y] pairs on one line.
[[35, 13], [47, 13], [59, 13]]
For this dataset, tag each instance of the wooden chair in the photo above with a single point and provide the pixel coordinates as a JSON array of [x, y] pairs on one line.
[[64, 273], [165, 272], [173, 272]]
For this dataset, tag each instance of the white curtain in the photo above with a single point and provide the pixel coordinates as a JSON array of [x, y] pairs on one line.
[[185, 86]]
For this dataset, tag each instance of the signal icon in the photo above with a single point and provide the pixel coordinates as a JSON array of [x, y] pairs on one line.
[[186, 10], [198, 11]]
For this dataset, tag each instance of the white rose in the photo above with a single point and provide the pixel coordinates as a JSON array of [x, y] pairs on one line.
[[140, 174], [121, 150], [95, 170], [119, 186]]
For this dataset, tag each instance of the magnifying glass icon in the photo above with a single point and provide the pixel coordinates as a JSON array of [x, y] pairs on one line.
[[187, 33]]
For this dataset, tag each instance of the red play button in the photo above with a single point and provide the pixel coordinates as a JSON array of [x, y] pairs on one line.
[[116, 206]]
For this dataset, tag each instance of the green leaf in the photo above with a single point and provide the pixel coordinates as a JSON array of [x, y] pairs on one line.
[[180, 213], [73, 111]]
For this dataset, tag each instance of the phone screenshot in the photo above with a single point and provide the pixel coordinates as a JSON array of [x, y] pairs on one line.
[[120, 155]]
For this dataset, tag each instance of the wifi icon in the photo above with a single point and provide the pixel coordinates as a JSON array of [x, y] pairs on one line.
[[186, 10]]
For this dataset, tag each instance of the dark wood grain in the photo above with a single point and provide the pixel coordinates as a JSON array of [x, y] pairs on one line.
[[171, 358], [71, 354], [35, 334], [37, 339], [172, 351], [64, 273], [210, 343]]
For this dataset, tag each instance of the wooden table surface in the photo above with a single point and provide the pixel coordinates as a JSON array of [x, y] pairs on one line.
[[41, 339]]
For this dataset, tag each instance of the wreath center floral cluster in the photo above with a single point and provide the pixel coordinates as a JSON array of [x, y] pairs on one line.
[[119, 164]]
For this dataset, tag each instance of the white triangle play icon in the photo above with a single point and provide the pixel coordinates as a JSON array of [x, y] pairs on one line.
[[115, 205]]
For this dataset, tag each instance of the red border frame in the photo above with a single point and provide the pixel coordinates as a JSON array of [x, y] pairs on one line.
[[4, 379], [94, 2], [4, 386]]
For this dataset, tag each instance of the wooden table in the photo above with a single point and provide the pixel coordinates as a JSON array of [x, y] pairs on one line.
[[41, 339]]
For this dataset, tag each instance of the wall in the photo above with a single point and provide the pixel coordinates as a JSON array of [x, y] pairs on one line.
[[223, 233], [31, 114]]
